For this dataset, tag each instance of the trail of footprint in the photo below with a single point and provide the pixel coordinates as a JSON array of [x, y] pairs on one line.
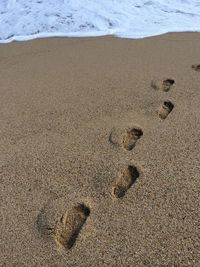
[[69, 226], [125, 181], [196, 67], [163, 85], [165, 109]]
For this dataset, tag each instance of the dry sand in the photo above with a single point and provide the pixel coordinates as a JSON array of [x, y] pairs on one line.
[[67, 112]]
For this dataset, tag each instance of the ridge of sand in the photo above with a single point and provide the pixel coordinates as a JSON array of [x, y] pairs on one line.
[[98, 121]]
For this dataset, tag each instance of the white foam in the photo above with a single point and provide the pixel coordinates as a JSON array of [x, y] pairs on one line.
[[29, 19]]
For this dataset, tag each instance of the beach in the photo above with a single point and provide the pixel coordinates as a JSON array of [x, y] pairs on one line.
[[77, 117]]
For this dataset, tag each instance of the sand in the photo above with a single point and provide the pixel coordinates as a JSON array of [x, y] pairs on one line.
[[80, 119]]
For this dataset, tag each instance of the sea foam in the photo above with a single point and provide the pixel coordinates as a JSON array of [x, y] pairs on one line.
[[28, 19]]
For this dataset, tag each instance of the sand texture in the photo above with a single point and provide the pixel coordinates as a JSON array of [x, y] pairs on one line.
[[100, 152]]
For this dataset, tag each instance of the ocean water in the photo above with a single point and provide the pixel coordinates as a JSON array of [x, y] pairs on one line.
[[29, 19]]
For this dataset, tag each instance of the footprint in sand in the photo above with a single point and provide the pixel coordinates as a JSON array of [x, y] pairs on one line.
[[163, 85], [69, 226], [165, 109], [126, 138], [42, 224], [125, 181], [196, 67], [130, 137]]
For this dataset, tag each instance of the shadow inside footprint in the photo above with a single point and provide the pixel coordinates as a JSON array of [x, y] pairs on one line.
[[196, 67], [164, 85], [69, 226], [130, 137], [165, 109], [125, 181]]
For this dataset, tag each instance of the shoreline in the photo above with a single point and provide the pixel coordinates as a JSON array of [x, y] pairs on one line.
[[86, 35]]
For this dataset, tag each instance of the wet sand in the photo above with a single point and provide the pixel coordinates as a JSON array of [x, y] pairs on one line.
[[99, 152]]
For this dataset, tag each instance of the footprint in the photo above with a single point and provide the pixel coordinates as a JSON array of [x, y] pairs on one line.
[[130, 137], [44, 229], [196, 67], [113, 136], [165, 109], [125, 181], [164, 85], [69, 226]]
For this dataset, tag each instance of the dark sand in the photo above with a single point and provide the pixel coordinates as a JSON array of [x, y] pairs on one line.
[[65, 105]]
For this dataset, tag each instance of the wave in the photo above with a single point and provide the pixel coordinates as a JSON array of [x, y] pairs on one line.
[[28, 19]]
